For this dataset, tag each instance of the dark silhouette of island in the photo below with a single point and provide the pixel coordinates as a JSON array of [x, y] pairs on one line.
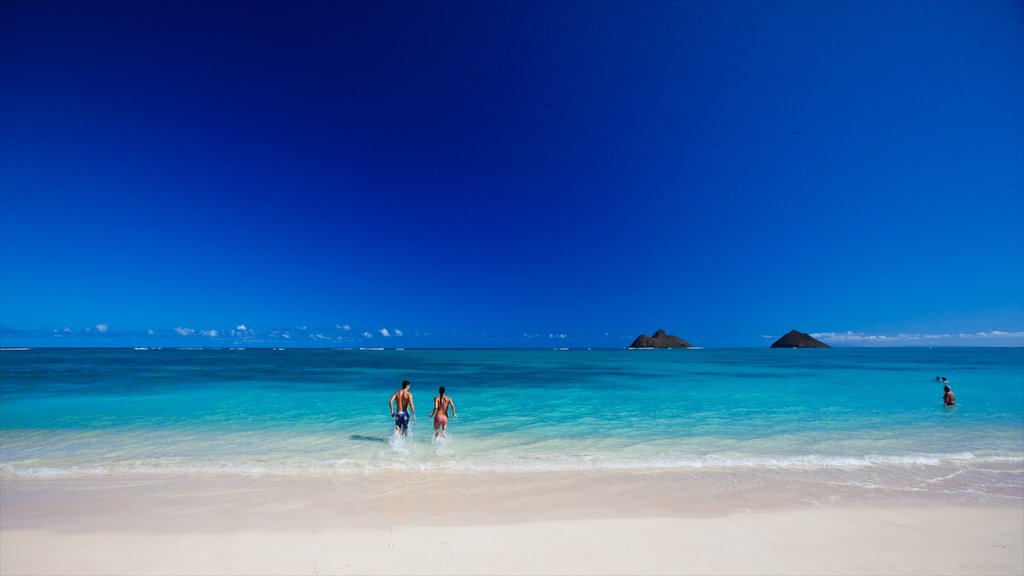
[[659, 340], [797, 339]]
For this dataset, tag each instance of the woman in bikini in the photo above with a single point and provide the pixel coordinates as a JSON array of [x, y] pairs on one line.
[[440, 413]]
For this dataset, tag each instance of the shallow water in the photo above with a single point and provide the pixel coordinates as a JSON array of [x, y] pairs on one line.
[[876, 413]]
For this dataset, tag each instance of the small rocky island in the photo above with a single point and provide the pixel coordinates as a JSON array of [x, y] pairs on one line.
[[796, 339], [659, 340]]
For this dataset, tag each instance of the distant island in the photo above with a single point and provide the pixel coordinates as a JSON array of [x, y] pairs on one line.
[[659, 340], [796, 339]]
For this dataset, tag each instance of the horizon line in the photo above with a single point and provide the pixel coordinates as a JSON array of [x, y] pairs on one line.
[[529, 348]]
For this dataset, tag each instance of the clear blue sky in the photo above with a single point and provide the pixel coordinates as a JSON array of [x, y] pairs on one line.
[[510, 173]]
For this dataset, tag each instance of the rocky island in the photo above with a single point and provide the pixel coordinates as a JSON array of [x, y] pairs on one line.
[[796, 339], [659, 340]]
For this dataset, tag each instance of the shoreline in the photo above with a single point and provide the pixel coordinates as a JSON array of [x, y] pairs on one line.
[[486, 523], [439, 497]]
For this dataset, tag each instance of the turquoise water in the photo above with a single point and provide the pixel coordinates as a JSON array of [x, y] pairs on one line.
[[252, 412]]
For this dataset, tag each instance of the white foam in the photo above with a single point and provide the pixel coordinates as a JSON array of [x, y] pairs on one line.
[[404, 454]]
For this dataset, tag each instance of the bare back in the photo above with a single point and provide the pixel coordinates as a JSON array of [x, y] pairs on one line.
[[441, 405], [402, 400]]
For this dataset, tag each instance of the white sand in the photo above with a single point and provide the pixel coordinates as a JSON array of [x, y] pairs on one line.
[[480, 524]]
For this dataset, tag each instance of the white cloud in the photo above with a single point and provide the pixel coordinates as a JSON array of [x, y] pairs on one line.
[[384, 332], [398, 332], [559, 336], [101, 328], [241, 328], [209, 333], [184, 331], [303, 327], [344, 327], [150, 332], [318, 337], [994, 334], [286, 335], [367, 335], [851, 337], [67, 330]]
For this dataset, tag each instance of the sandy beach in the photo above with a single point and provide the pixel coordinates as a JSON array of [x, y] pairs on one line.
[[483, 523]]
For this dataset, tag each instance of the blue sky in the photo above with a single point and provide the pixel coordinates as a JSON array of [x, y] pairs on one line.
[[510, 173]]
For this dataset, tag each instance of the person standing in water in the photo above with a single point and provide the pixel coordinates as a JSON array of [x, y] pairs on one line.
[[440, 413], [403, 402], [948, 398]]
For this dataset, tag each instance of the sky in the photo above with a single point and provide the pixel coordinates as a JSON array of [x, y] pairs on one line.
[[510, 173]]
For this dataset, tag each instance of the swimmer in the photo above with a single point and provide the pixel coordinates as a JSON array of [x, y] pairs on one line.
[[403, 402], [440, 413], [948, 398]]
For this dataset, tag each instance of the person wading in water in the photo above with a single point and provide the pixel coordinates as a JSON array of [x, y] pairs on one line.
[[440, 413], [403, 402]]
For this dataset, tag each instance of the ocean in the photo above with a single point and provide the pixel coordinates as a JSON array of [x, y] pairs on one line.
[[857, 415]]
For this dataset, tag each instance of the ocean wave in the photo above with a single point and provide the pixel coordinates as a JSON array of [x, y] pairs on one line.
[[159, 467]]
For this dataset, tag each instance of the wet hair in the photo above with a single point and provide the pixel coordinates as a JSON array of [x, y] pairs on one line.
[[405, 383], [441, 390], [945, 388]]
